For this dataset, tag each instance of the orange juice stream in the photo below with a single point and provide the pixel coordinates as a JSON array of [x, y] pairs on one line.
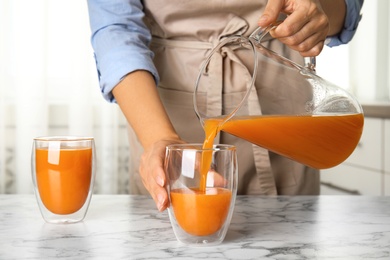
[[211, 130], [202, 212]]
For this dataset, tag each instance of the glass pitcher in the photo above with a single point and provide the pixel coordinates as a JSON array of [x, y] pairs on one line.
[[276, 103]]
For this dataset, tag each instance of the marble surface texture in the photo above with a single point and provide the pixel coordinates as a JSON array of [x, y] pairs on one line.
[[130, 227]]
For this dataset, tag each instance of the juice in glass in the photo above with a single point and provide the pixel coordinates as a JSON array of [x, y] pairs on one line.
[[63, 182], [201, 213]]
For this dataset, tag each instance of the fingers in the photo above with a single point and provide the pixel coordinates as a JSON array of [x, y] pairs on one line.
[[152, 172], [271, 12], [306, 36], [155, 185], [306, 27], [153, 177], [214, 179]]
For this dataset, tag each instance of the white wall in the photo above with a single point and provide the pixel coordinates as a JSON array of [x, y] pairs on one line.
[[363, 65]]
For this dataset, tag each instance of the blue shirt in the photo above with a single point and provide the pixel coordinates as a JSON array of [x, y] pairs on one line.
[[352, 20], [120, 39]]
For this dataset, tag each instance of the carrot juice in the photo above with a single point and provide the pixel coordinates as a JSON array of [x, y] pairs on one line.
[[64, 183], [318, 141], [201, 213]]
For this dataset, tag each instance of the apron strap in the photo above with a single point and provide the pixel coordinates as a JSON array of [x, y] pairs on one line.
[[261, 155]]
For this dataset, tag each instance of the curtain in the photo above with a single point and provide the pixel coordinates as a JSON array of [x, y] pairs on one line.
[[48, 86]]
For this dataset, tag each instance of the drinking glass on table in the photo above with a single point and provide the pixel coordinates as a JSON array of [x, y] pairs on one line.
[[63, 173], [202, 187]]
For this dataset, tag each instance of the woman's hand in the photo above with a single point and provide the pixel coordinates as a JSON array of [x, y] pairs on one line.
[[307, 24], [139, 101], [152, 172]]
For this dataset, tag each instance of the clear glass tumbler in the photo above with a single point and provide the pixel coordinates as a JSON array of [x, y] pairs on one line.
[[63, 173], [202, 188]]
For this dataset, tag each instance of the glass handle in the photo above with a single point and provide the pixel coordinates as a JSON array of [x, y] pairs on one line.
[[260, 33], [310, 63]]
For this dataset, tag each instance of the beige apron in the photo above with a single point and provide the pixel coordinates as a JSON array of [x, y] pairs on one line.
[[184, 32]]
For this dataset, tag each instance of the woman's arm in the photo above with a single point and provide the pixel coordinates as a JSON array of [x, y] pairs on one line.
[[138, 99], [335, 10], [120, 41], [128, 76], [351, 22]]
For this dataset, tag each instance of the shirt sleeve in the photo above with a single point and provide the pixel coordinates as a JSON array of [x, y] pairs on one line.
[[352, 19], [120, 41]]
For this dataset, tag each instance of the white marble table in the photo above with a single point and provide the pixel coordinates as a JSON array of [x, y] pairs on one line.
[[129, 227]]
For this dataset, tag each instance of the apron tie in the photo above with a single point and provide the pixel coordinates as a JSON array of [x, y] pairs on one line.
[[222, 70]]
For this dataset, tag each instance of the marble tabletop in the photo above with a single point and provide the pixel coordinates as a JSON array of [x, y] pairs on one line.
[[130, 227]]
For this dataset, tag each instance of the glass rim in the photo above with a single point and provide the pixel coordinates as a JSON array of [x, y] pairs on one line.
[[199, 147], [64, 138]]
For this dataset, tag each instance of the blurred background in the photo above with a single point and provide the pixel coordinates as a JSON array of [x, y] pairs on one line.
[[48, 86]]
